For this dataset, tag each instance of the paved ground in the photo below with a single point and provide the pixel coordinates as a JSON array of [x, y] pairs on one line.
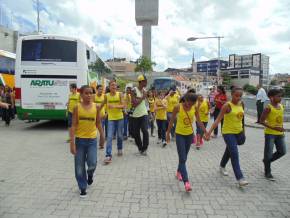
[[37, 180]]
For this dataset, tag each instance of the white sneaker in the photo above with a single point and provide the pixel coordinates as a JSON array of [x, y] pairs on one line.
[[243, 182], [223, 171]]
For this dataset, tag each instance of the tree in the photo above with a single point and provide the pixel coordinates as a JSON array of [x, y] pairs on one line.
[[273, 82], [251, 89], [100, 67], [287, 90], [144, 65], [227, 80]]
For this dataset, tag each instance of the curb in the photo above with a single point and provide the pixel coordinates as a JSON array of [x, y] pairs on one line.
[[261, 127]]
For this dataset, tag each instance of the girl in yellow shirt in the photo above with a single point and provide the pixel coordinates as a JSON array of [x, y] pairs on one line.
[[203, 108], [184, 114], [160, 110], [233, 113], [85, 122], [272, 119]]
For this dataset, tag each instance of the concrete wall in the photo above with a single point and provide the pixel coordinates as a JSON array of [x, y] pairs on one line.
[[8, 39]]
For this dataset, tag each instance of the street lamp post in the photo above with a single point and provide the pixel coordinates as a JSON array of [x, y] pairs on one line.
[[219, 48]]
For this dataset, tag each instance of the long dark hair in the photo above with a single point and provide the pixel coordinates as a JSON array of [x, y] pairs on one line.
[[189, 97], [222, 88]]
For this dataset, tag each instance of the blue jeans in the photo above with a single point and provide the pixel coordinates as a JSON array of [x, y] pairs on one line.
[[270, 141], [161, 125], [126, 122], [183, 143], [86, 153], [232, 153], [114, 126]]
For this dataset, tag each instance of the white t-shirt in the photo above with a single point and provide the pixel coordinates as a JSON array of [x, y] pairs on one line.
[[141, 109], [261, 95]]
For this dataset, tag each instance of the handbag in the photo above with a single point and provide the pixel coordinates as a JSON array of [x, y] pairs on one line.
[[241, 137]]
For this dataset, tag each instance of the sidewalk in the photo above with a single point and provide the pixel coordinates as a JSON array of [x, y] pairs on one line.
[[250, 121]]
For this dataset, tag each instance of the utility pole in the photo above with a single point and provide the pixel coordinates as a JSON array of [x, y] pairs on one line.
[[38, 11]]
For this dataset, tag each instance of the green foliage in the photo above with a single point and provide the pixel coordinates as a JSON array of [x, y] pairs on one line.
[[250, 89], [226, 80], [144, 65], [287, 91], [99, 67], [273, 82], [122, 83]]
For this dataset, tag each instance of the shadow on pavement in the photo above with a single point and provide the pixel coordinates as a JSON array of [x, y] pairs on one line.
[[48, 125]]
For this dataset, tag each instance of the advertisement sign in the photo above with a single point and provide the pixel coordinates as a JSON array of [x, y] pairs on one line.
[[45, 93]]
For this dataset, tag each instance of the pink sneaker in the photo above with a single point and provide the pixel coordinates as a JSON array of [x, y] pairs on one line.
[[178, 176], [187, 187]]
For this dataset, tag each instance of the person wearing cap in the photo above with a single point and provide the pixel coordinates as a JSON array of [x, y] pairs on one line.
[[140, 115]]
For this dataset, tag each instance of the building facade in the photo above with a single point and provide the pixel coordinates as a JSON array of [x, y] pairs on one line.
[[8, 39], [249, 69], [121, 66], [210, 67]]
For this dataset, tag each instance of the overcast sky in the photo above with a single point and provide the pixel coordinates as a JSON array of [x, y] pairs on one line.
[[249, 26]]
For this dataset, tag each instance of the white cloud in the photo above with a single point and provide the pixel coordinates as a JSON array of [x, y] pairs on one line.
[[248, 26]]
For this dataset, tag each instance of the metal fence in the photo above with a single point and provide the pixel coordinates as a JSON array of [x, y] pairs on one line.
[[250, 106]]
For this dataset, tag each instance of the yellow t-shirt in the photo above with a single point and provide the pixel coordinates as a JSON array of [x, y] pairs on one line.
[[161, 113], [172, 101], [86, 127], [114, 113], [203, 111], [73, 100], [99, 100], [151, 102], [274, 119], [127, 100], [184, 121], [233, 120]]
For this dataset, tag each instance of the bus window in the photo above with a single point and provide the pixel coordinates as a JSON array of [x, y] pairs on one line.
[[88, 55], [49, 50]]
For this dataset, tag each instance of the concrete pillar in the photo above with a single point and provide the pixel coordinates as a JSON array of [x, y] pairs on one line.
[[146, 40]]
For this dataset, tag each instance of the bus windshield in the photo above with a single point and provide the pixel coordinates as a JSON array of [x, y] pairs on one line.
[[49, 50], [7, 65]]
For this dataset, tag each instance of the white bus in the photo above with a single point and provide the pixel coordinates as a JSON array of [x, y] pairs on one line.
[[46, 65]]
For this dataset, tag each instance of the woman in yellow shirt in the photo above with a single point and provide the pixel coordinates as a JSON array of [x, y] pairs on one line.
[[85, 122], [184, 114], [160, 107], [272, 119], [203, 108], [233, 113], [115, 106]]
